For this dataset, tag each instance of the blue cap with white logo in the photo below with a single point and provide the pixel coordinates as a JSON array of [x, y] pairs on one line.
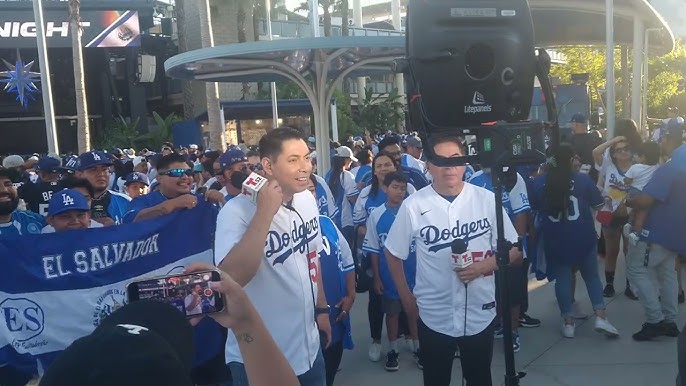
[[92, 159], [232, 157], [65, 200], [136, 177]]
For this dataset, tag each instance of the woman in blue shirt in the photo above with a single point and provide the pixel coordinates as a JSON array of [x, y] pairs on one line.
[[565, 201]]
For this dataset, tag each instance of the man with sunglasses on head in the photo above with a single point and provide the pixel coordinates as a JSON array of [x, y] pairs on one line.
[[175, 179], [108, 207]]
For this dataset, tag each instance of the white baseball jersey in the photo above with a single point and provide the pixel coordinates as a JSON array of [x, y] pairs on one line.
[[433, 222], [365, 204], [285, 285]]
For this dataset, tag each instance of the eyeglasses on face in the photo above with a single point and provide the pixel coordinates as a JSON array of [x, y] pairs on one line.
[[252, 168], [178, 173]]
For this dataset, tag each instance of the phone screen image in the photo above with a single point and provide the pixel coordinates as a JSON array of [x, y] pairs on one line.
[[189, 293]]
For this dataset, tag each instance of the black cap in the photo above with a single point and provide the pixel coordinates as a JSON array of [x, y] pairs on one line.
[[143, 343]]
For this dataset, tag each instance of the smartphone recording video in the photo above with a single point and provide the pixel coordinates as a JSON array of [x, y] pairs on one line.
[[189, 293]]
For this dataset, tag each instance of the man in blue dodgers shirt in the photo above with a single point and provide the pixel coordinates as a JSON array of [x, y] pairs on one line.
[[108, 207], [174, 193], [175, 179], [661, 240], [15, 222]]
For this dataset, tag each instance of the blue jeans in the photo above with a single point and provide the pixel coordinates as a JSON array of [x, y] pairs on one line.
[[316, 376], [588, 266]]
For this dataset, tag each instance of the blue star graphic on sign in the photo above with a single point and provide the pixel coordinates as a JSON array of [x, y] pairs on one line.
[[21, 80]]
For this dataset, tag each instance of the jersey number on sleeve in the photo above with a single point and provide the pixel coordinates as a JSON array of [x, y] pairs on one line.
[[312, 265], [43, 210]]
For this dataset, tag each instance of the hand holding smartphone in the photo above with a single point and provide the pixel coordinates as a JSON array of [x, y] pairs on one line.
[[190, 293]]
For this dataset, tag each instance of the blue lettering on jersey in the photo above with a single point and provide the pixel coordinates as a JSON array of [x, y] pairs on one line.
[[300, 236], [432, 235]]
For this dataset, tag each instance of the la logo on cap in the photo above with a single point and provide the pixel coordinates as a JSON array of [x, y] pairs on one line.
[[67, 200], [96, 157]]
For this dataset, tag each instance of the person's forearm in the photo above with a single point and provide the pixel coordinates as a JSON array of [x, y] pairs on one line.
[[374, 260], [521, 223], [264, 362], [395, 266], [642, 201], [154, 212], [350, 285], [321, 295], [244, 259]]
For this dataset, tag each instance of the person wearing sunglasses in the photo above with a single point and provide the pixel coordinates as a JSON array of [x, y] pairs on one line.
[[175, 179], [254, 162], [233, 167]]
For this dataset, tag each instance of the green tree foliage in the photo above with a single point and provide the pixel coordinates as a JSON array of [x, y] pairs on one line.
[[663, 74], [380, 112]]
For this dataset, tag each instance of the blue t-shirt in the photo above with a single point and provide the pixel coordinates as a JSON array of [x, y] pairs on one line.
[[572, 239], [23, 222], [362, 172], [666, 220], [375, 244], [334, 270]]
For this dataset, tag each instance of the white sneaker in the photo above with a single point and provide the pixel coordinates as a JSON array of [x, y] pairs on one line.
[[603, 326], [375, 352], [410, 344], [577, 313], [568, 330]]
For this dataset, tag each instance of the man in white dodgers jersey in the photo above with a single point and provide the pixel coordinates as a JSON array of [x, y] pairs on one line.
[[281, 276], [456, 307]]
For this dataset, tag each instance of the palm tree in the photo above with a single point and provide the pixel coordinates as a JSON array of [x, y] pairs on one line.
[[83, 127], [345, 16], [214, 114], [327, 6]]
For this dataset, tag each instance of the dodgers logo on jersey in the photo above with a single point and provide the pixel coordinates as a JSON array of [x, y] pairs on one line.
[[432, 235], [107, 303], [25, 320], [279, 244]]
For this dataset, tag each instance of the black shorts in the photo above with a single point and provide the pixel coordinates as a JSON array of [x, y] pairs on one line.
[[517, 280]]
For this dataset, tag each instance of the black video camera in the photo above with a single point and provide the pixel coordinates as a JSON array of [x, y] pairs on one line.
[[470, 71]]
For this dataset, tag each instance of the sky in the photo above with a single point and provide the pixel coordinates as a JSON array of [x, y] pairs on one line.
[[674, 12]]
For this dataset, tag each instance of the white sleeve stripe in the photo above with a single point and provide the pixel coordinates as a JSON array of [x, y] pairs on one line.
[[521, 209]]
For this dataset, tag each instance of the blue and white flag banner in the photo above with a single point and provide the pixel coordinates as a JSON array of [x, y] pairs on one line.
[[55, 288]]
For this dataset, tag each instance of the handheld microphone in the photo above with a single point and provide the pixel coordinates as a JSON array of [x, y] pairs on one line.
[[252, 186], [461, 257]]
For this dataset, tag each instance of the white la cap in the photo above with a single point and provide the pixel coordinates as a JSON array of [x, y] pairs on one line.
[[345, 152], [13, 161]]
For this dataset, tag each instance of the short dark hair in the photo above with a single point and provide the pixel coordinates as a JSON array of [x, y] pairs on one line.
[[389, 140], [73, 182], [651, 151], [446, 138], [167, 160], [271, 144], [395, 176], [365, 156], [252, 153]]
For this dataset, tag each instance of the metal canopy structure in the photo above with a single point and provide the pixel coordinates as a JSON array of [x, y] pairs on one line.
[[316, 65]]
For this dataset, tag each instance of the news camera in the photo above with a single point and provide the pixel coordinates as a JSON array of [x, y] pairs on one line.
[[470, 71]]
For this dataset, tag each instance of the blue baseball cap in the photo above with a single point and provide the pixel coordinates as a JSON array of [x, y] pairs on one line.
[[231, 158], [93, 158], [48, 165], [578, 118], [70, 163], [136, 177], [66, 200]]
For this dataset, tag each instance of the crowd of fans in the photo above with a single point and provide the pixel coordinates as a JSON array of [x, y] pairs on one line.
[[633, 189]]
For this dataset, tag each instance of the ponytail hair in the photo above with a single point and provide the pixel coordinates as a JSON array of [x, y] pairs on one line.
[[558, 181]]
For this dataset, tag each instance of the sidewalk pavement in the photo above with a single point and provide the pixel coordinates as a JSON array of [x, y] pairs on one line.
[[589, 359]]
